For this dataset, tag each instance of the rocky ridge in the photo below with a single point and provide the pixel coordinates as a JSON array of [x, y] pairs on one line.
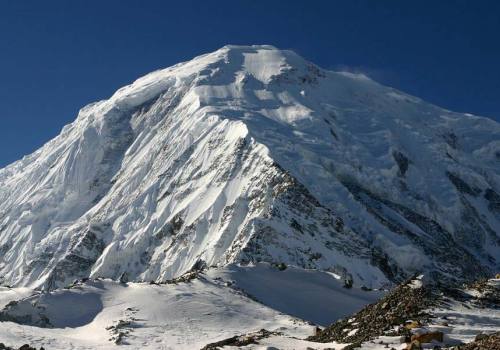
[[416, 313]]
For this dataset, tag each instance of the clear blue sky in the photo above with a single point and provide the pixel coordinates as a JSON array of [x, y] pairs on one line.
[[56, 56]]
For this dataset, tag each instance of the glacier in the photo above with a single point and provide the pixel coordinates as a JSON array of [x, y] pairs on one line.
[[252, 154]]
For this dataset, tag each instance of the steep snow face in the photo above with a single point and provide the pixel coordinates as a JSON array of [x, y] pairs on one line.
[[253, 154]]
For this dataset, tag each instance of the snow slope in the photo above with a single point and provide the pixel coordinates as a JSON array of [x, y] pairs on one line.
[[158, 317], [252, 154], [190, 315], [310, 295]]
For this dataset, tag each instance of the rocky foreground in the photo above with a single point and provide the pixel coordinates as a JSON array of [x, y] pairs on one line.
[[23, 347], [415, 315], [421, 316], [483, 342], [395, 314]]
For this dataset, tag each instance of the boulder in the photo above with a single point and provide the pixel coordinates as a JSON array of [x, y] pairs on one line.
[[414, 345], [428, 337], [481, 336], [412, 324], [124, 278]]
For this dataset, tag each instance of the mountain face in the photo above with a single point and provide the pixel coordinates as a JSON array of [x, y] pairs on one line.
[[253, 154]]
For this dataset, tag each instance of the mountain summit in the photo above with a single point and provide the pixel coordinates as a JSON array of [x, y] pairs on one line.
[[252, 154]]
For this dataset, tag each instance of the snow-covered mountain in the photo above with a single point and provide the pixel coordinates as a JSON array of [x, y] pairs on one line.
[[252, 154]]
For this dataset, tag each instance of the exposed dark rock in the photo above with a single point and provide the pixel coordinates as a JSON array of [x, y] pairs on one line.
[[334, 134], [494, 200], [120, 331], [383, 262], [408, 308], [462, 186], [241, 340], [199, 266], [13, 313], [402, 161], [489, 295], [281, 266], [454, 263], [22, 347], [4, 248], [295, 225], [406, 302], [85, 250], [348, 283], [185, 278], [484, 342], [305, 216], [123, 278], [451, 139]]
